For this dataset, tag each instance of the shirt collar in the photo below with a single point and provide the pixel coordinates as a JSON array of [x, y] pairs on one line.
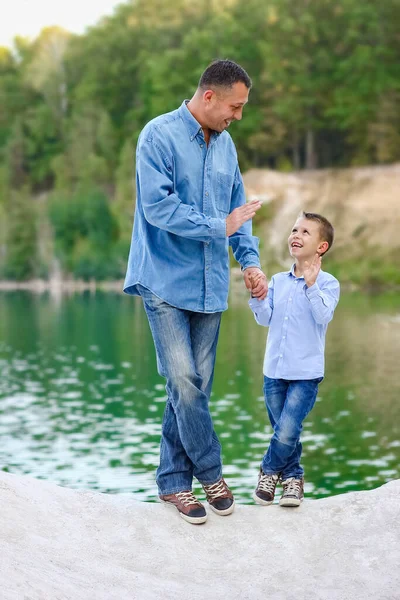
[[291, 272], [192, 125]]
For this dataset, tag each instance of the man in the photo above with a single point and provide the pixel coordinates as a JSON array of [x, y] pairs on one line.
[[190, 207]]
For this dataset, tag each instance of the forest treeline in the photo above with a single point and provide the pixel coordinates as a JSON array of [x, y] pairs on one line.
[[326, 93]]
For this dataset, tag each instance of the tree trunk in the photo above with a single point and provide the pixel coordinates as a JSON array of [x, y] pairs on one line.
[[296, 152], [311, 158]]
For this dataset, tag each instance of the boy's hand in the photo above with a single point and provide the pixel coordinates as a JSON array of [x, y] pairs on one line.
[[311, 270], [256, 282]]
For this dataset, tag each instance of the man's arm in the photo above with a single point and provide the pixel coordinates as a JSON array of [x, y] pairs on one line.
[[245, 245], [163, 208], [161, 205]]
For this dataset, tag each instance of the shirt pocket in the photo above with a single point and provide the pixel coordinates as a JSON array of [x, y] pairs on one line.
[[224, 191]]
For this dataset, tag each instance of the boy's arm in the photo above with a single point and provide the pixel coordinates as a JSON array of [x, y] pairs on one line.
[[263, 309], [323, 300]]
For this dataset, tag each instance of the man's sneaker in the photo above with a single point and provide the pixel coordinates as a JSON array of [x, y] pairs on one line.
[[265, 491], [293, 492], [188, 506], [220, 498]]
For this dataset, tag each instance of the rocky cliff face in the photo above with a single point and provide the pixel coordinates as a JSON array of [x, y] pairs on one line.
[[362, 203]]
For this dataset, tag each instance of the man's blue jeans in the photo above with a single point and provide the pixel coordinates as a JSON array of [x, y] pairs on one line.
[[186, 344], [288, 403]]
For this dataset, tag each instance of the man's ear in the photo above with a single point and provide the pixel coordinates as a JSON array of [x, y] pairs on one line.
[[208, 95]]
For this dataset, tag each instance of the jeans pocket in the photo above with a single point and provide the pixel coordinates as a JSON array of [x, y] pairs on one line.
[[224, 191]]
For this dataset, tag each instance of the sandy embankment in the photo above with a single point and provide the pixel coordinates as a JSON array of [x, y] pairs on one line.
[[363, 203]]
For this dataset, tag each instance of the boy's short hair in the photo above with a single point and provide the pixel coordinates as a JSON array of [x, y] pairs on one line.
[[326, 230]]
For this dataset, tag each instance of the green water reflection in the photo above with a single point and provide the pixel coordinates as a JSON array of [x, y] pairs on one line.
[[81, 401]]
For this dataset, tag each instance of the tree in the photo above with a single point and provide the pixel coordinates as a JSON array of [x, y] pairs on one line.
[[21, 242], [124, 205], [46, 71]]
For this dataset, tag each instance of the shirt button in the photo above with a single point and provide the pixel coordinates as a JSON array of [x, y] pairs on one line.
[[290, 299], [201, 145], [284, 337], [206, 193], [285, 318], [280, 356]]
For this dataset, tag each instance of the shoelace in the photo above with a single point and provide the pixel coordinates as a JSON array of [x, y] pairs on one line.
[[267, 483], [215, 490], [187, 498], [292, 486]]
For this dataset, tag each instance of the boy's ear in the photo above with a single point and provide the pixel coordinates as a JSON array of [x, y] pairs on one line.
[[322, 248]]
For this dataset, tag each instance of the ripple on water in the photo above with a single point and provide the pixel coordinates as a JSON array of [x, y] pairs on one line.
[[368, 434]]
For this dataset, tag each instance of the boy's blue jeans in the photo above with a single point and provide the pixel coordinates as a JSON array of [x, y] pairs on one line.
[[288, 403], [186, 344]]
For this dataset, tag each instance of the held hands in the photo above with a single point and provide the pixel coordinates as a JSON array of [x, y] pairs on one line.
[[256, 282], [311, 270], [240, 215]]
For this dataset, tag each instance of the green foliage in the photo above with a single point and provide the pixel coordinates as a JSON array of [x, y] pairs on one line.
[[326, 83], [85, 232], [124, 205], [326, 93], [21, 243], [367, 271]]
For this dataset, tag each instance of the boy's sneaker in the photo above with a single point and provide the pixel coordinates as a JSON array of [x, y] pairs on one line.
[[188, 506], [293, 492], [265, 491], [220, 498]]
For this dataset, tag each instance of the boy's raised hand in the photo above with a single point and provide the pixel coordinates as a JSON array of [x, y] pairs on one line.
[[311, 270]]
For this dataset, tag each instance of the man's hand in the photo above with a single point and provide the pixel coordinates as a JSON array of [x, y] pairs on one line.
[[240, 215], [311, 270], [256, 282]]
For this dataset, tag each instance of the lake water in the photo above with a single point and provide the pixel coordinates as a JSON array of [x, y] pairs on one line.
[[81, 401]]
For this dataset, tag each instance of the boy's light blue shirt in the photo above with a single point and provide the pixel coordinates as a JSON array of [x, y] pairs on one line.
[[185, 191], [297, 318]]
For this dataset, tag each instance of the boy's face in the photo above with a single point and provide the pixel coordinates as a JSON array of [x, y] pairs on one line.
[[305, 240]]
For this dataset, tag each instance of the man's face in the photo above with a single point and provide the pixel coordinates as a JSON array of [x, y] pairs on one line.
[[225, 105], [305, 239]]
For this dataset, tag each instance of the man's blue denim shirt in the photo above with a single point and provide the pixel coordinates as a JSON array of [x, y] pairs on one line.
[[185, 190], [297, 317]]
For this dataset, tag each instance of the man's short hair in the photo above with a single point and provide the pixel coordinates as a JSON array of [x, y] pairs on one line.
[[326, 230], [223, 73]]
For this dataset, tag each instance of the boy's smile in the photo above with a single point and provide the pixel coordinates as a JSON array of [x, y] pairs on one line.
[[305, 240]]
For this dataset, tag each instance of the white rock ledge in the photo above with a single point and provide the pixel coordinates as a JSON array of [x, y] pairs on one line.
[[61, 544]]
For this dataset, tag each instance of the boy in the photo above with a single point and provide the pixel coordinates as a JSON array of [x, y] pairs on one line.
[[299, 305]]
